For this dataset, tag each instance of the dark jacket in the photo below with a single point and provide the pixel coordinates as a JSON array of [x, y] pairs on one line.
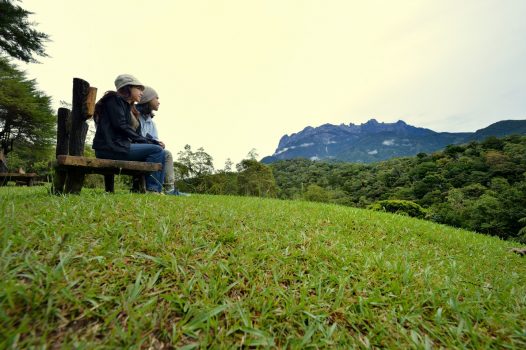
[[114, 132]]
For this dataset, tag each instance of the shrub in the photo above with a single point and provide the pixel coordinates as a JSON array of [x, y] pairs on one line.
[[316, 193], [399, 206]]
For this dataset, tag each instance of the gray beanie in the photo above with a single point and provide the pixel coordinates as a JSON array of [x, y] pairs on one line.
[[127, 79], [147, 95]]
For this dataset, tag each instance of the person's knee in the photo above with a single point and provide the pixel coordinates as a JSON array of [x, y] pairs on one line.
[[168, 156], [157, 150], [160, 155]]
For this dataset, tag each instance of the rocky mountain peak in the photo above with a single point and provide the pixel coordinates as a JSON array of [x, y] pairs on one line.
[[375, 141]]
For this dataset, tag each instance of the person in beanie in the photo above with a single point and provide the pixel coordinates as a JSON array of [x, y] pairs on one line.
[[146, 107], [116, 137]]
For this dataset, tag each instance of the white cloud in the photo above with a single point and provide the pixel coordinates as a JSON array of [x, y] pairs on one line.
[[281, 151], [388, 142], [373, 152]]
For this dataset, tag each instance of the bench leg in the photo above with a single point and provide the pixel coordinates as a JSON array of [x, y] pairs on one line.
[[141, 182], [59, 179], [74, 181], [138, 184], [109, 183]]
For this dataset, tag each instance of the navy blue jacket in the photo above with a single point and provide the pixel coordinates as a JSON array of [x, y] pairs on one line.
[[114, 132]]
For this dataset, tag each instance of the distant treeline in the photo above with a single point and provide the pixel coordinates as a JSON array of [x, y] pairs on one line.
[[480, 186]]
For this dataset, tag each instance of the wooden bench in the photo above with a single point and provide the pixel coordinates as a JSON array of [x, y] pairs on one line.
[[24, 179], [71, 166]]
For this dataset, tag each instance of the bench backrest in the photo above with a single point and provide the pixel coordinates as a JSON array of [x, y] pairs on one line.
[[71, 125]]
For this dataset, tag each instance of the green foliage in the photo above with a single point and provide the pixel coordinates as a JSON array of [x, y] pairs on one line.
[[29, 162], [255, 179], [522, 232], [220, 183], [252, 179], [194, 164], [27, 122], [399, 207], [477, 186], [316, 193], [94, 181], [18, 38], [133, 271]]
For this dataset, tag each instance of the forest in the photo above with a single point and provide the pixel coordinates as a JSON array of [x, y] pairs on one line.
[[480, 186]]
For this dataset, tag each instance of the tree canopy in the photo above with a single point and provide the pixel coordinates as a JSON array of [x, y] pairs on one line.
[[255, 179], [194, 164], [26, 117], [480, 186], [18, 38]]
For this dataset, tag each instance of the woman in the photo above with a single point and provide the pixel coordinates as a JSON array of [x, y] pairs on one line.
[[147, 105], [116, 138]]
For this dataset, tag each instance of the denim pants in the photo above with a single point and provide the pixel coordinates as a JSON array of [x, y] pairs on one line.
[[141, 152]]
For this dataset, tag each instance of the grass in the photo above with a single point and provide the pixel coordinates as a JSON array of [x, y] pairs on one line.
[[145, 271]]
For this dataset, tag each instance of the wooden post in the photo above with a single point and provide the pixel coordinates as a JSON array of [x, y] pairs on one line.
[[79, 114], [63, 117], [139, 184], [63, 127], [78, 131], [109, 182], [3, 162], [90, 101]]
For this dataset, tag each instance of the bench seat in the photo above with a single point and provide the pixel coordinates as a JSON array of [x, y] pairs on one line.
[[28, 178], [71, 170], [89, 165]]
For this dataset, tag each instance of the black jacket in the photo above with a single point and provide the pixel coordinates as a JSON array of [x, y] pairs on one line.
[[114, 132]]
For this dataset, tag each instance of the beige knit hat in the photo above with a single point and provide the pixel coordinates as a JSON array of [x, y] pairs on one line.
[[148, 94], [127, 79]]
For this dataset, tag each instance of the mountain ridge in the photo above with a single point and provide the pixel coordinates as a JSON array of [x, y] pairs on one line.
[[376, 141]]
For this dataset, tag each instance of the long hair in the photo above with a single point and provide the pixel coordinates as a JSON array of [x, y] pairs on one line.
[[125, 91], [99, 106]]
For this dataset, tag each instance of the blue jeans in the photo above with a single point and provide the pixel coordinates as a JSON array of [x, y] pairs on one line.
[[141, 152]]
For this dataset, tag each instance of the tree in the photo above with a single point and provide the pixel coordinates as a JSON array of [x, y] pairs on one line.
[[316, 193], [18, 38], [255, 179], [195, 164], [26, 118], [228, 165], [399, 207], [253, 154], [203, 163]]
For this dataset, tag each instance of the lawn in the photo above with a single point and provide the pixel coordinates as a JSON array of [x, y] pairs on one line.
[[147, 271]]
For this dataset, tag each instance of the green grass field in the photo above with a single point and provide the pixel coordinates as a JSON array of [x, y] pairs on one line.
[[146, 271]]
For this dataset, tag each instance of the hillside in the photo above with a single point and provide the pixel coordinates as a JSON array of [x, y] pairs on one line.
[[373, 141], [148, 271], [478, 186]]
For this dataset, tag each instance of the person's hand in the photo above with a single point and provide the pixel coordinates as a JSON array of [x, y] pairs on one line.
[[161, 144]]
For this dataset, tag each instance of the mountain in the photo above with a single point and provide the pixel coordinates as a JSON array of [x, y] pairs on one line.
[[500, 129], [373, 141]]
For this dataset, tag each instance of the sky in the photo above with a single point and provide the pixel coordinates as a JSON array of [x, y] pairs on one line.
[[233, 75]]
